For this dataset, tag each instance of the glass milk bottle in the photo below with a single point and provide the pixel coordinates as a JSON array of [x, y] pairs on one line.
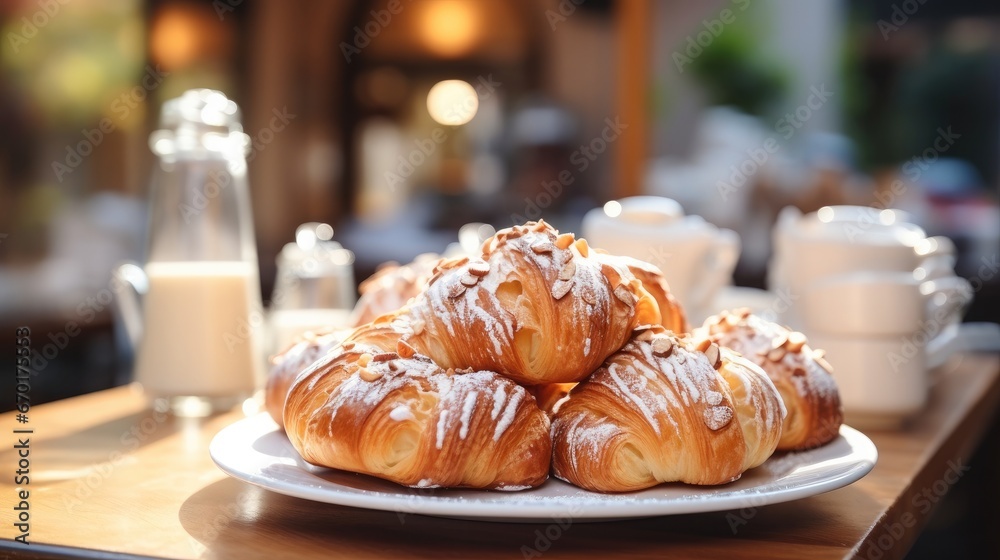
[[200, 347]]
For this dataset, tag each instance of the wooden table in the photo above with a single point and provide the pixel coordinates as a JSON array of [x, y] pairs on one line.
[[110, 476]]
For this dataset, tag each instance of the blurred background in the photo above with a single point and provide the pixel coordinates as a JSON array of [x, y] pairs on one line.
[[571, 103]]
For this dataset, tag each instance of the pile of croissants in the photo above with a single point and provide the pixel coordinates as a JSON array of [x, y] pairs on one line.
[[544, 355]]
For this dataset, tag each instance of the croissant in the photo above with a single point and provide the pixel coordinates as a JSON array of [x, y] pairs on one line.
[[802, 376], [672, 315], [407, 420], [537, 306], [288, 364], [661, 410], [551, 395], [392, 286]]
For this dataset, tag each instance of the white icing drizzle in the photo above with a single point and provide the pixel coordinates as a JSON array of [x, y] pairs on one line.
[[442, 422], [642, 404], [467, 407], [499, 398], [508, 413]]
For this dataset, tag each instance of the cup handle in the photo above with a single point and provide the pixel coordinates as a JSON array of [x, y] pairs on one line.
[[725, 252], [127, 301], [938, 260], [946, 300]]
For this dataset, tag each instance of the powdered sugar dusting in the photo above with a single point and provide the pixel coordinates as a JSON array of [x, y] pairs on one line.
[[640, 403], [499, 399], [508, 413], [401, 413], [442, 422], [467, 407]]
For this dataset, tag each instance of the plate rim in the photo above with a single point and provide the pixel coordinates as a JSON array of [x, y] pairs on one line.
[[598, 506]]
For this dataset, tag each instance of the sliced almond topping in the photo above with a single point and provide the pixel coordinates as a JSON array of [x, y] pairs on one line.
[[625, 295], [718, 417], [779, 341], [582, 247], [589, 295], [369, 375], [347, 345], [561, 288], [456, 290], [713, 398], [645, 334], [799, 371], [702, 345], [417, 325], [663, 346], [364, 359], [385, 357], [567, 271], [743, 312], [564, 240], [818, 353], [543, 248], [393, 366], [714, 356], [450, 371], [404, 349], [469, 280], [796, 341], [823, 364], [479, 267], [776, 354]]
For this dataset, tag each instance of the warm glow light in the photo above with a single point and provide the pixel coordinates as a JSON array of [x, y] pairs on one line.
[[448, 27], [452, 102], [825, 214], [612, 208], [887, 217], [174, 39]]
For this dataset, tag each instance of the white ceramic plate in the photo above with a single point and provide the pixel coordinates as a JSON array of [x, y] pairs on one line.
[[255, 451]]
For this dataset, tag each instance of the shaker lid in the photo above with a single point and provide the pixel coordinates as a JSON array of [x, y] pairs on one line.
[[203, 107]]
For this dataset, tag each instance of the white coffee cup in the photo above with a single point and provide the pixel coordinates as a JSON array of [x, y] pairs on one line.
[[696, 257], [882, 333], [840, 239]]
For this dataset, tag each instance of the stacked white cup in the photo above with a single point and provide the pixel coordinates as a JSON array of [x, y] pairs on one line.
[[696, 257], [878, 295]]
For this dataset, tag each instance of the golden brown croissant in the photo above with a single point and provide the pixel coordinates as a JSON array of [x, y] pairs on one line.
[[538, 307], [407, 420], [671, 313], [392, 286], [801, 375], [551, 395], [290, 363], [662, 410]]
